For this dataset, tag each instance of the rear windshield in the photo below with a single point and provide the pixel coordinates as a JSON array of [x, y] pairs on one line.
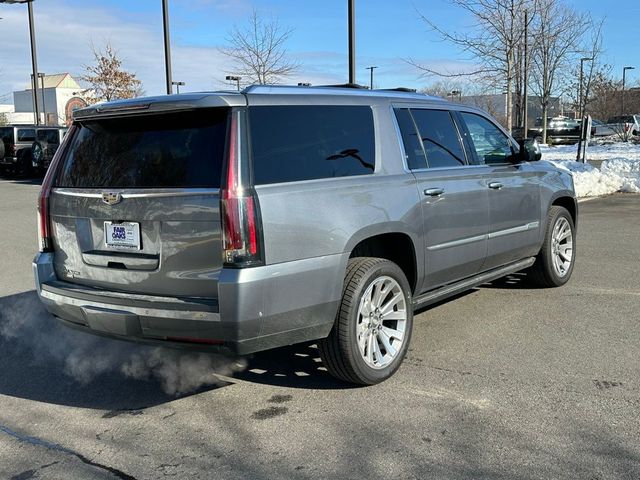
[[292, 143], [48, 136], [6, 134], [171, 150]]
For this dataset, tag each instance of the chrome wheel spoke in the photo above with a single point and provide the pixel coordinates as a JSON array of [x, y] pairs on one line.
[[378, 295], [386, 341], [376, 350], [388, 307], [394, 315], [370, 341], [392, 333]]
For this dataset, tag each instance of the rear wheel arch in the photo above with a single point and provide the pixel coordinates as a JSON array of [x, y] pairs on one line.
[[396, 247]]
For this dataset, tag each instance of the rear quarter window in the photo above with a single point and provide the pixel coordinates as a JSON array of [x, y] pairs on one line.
[[294, 143], [26, 135], [171, 150]]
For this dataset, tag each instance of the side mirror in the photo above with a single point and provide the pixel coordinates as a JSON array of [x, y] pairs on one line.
[[529, 150]]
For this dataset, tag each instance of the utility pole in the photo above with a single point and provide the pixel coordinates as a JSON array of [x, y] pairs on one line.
[[525, 76], [371, 83], [624, 72], [167, 46], [34, 60], [352, 42]]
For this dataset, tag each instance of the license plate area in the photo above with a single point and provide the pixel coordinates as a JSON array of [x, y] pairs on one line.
[[122, 235]]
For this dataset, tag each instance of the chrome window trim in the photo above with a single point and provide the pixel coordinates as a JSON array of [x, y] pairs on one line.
[[405, 165]]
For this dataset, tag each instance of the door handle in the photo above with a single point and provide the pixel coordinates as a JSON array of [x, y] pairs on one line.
[[495, 185], [434, 192]]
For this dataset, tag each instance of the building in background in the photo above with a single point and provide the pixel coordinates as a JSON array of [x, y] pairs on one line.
[[58, 96]]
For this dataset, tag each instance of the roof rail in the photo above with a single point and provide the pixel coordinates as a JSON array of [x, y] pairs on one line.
[[346, 85], [399, 89]]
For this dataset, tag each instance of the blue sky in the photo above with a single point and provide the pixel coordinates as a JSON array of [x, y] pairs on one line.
[[387, 33]]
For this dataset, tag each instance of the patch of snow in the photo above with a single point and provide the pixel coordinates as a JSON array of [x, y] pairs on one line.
[[619, 170]]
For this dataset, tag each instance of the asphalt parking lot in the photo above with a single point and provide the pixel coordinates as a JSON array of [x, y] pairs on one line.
[[504, 382]]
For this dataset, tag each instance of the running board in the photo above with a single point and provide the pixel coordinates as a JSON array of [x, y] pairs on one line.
[[441, 293]]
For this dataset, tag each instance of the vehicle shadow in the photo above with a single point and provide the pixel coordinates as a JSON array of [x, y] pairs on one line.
[[22, 180], [295, 366], [44, 361], [514, 281]]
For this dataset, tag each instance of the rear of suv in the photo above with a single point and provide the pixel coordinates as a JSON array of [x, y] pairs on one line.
[[15, 148], [247, 221]]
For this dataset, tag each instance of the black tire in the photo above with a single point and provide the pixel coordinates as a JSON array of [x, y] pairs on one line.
[[23, 166], [340, 352], [1, 149], [544, 273]]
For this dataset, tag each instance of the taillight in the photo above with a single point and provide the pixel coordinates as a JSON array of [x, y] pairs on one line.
[[12, 150], [239, 208], [45, 240], [44, 225]]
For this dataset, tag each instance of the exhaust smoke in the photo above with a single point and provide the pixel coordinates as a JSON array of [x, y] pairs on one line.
[[25, 323]]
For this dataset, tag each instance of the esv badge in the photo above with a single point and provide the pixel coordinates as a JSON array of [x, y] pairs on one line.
[[111, 198]]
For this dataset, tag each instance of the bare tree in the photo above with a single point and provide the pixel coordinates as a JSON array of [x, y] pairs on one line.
[[258, 51], [107, 79], [3, 120], [558, 32], [594, 50], [492, 43], [442, 88]]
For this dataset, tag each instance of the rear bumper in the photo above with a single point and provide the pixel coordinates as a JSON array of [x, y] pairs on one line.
[[9, 161], [257, 308]]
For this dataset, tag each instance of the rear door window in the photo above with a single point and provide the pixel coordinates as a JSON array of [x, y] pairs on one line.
[[172, 150], [440, 138], [26, 135], [293, 143]]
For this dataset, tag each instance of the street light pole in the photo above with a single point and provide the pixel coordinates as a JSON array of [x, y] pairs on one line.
[[352, 42], [167, 45], [371, 84], [234, 78], [34, 60], [581, 101], [177, 84], [34, 63], [624, 72]]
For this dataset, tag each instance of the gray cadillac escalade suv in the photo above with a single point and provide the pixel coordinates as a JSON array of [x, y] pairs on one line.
[[247, 221]]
